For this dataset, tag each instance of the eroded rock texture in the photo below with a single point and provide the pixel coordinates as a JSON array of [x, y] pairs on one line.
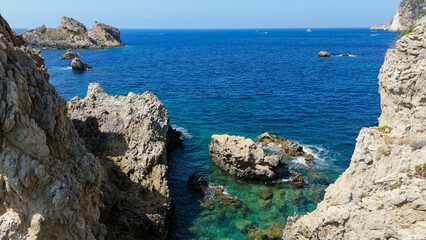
[[73, 35], [242, 158], [382, 193], [51, 185], [49, 182], [128, 134]]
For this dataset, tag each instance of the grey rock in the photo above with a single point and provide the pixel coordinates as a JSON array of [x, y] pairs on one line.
[[73, 35], [324, 54], [381, 194], [128, 134], [71, 24], [50, 182], [242, 158], [78, 65], [408, 13], [197, 182]]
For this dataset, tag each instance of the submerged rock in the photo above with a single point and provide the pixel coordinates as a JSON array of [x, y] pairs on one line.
[[297, 180], [78, 65], [244, 226], [266, 194], [275, 232], [381, 194], [73, 35], [197, 182], [324, 54], [242, 158], [226, 198], [256, 234], [128, 134]]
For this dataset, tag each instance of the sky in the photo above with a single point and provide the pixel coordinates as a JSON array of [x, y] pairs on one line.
[[201, 14]]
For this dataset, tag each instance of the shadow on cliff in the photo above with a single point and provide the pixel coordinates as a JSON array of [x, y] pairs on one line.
[[131, 210]]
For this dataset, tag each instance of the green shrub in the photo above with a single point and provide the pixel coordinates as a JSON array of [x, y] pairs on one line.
[[385, 129], [405, 32], [362, 196], [72, 31]]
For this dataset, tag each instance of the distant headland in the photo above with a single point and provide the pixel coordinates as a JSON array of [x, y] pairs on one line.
[[407, 14], [72, 34]]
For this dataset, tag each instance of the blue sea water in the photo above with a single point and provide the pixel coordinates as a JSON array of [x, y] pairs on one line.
[[244, 82]]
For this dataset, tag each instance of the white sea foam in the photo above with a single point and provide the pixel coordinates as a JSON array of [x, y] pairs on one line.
[[300, 161], [183, 131]]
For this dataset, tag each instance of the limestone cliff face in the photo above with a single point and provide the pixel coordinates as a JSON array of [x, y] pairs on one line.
[[73, 35], [382, 193], [408, 13], [49, 182], [101, 175], [128, 134]]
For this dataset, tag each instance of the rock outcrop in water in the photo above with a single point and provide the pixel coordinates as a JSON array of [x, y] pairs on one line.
[[242, 158], [381, 194], [324, 54], [77, 64], [289, 148], [128, 134], [73, 35], [50, 184], [54, 185], [408, 13]]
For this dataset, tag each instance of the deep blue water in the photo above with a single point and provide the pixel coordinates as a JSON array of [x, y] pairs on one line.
[[244, 82]]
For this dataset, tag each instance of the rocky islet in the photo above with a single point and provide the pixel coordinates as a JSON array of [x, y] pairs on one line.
[[72, 34]]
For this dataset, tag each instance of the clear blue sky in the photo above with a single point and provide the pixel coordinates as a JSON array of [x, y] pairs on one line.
[[201, 13]]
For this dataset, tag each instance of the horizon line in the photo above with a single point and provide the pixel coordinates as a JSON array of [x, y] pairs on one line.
[[243, 28]]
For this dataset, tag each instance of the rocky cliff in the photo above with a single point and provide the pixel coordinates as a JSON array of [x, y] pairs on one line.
[[382, 193], [101, 175], [407, 14], [49, 182], [72, 34], [128, 134]]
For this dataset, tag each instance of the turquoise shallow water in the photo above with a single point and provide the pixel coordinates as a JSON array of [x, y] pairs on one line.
[[244, 82]]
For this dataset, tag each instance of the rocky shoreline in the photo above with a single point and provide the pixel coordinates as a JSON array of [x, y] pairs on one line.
[[381, 194], [92, 168], [72, 34], [96, 167]]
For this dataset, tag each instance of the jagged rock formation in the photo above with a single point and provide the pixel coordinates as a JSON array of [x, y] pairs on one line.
[[49, 182], [288, 148], [382, 193], [407, 14], [73, 35], [51, 185], [77, 64], [128, 134], [242, 158]]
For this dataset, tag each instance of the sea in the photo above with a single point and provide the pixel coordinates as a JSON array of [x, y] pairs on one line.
[[244, 82]]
